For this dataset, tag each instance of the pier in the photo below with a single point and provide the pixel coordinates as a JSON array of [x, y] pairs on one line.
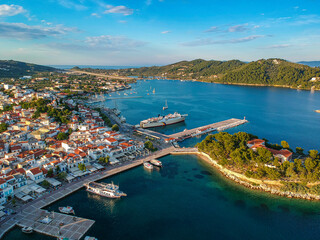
[[219, 126]]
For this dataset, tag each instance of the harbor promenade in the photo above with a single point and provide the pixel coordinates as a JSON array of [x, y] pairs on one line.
[[30, 213]]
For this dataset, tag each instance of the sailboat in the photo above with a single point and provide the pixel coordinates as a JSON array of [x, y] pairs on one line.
[[165, 106]]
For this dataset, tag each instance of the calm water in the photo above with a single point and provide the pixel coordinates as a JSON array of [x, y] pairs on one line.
[[274, 113], [187, 199]]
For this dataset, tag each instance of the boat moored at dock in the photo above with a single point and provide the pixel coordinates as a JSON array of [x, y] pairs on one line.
[[147, 165], [161, 121], [109, 190], [27, 230], [156, 163], [67, 210]]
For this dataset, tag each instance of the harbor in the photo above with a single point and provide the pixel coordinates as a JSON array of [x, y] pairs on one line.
[[71, 228]]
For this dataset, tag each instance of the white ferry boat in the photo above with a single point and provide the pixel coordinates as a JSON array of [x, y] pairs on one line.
[[203, 131], [109, 190], [156, 163], [67, 210], [147, 165], [163, 120]]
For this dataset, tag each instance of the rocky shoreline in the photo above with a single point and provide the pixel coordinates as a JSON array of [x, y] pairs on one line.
[[261, 187]]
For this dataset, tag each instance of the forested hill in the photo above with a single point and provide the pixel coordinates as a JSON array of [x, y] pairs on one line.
[[10, 68], [273, 72], [269, 72]]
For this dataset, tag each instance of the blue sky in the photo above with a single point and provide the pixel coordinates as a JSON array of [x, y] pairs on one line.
[[157, 32]]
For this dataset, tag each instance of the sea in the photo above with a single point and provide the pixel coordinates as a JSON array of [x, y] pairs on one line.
[[187, 198]]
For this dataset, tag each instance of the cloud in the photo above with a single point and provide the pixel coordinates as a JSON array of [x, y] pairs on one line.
[[307, 19], [212, 29], [276, 46], [208, 41], [95, 15], [10, 10], [113, 42], [166, 32], [238, 28], [119, 9], [78, 5], [22, 31]]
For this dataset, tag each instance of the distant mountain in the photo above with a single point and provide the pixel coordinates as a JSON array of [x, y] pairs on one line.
[[10, 68], [311, 63], [267, 72]]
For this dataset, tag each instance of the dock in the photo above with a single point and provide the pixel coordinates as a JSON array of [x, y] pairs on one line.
[[218, 126]]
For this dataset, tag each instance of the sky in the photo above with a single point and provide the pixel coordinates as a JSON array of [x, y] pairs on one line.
[[157, 32]]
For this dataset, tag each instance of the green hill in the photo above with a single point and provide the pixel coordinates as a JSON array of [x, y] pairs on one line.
[[15, 69], [270, 72]]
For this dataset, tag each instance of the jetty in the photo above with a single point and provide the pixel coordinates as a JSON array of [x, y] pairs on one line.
[[180, 136]]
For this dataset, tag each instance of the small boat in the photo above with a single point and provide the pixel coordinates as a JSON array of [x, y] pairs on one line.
[[147, 165], [154, 91], [165, 106], [67, 210], [317, 111], [90, 238], [27, 230], [156, 163]]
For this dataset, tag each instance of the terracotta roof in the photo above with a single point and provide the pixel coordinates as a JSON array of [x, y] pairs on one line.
[[35, 171]]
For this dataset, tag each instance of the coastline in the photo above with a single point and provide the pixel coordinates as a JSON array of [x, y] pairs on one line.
[[269, 186]]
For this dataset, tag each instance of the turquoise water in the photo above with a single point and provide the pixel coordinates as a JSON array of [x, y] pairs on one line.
[[187, 199]]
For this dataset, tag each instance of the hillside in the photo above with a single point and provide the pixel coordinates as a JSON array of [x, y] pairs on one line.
[[10, 68], [270, 72]]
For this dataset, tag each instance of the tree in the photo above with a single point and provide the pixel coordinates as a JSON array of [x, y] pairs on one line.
[[82, 167], [284, 144], [50, 172], [13, 201], [299, 150], [3, 127], [115, 127], [62, 136], [45, 184], [313, 154], [62, 175], [310, 164], [104, 159], [58, 169], [149, 145]]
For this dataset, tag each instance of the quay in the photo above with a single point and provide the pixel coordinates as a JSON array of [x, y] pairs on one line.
[[29, 214], [219, 126]]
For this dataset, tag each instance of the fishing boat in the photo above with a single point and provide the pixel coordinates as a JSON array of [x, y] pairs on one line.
[[147, 165], [27, 230], [109, 190], [67, 210], [156, 163], [165, 106]]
